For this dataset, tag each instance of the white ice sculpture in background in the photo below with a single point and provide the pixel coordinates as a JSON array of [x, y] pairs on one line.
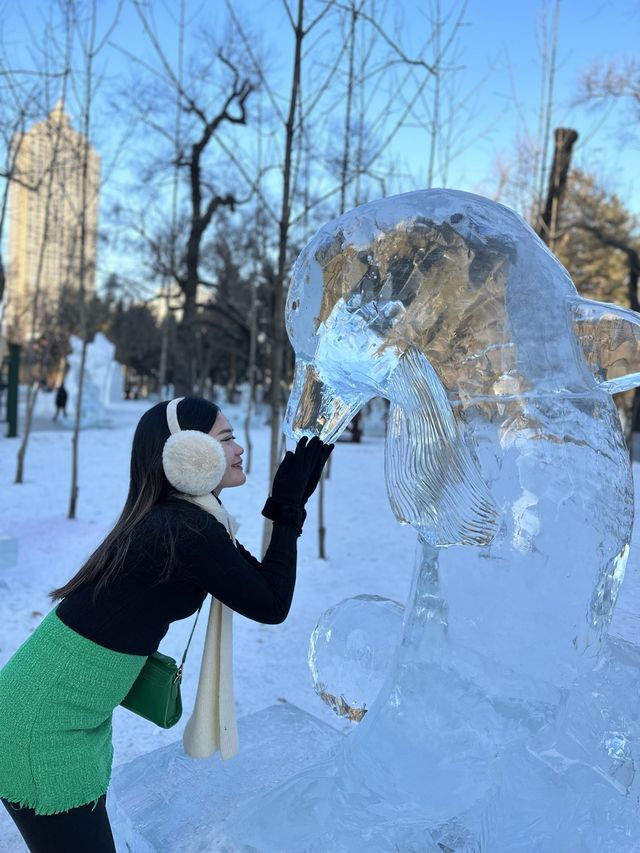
[[103, 380], [508, 720]]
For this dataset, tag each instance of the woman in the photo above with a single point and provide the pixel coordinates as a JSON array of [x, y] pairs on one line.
[[165, 553]]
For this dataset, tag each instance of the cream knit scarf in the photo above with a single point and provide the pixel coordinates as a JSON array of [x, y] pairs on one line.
[[212, 725]]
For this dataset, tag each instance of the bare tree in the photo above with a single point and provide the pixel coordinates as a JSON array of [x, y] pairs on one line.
[[524, 182], [549, 52], [258, 260], [203, 122], [300, 33], [440, 106], [373, 59], [616, 80], [86, 29], [167, 282], [37, 313], [39, 178], [333, 64]]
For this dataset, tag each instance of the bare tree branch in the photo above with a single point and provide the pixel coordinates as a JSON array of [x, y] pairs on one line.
[[330, 5], [256, 65], [406, 60], [289, 15]]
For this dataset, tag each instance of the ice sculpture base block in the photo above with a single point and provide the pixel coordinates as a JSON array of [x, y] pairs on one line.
[[166, 801]]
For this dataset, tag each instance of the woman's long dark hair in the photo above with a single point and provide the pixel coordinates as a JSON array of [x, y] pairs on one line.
[[147, 487]]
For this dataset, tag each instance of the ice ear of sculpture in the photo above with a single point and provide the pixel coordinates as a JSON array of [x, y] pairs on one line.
[[432, 473], [610, 339]]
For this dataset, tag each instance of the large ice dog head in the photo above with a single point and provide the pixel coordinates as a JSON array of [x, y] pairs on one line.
[[465, 281], [444, 302]]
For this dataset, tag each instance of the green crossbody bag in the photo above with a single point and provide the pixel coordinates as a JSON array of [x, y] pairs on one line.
[[155, 694]]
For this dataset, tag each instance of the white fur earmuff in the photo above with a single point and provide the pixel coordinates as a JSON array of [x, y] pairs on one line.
[[193, 461]]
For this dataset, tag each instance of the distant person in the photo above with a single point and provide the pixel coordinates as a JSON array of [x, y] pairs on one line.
[[172, 544], [61, 401]]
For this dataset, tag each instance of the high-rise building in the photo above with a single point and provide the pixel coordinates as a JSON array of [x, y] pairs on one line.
[[46, 223]]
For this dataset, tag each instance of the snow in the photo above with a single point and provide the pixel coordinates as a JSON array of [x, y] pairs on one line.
[[368, 552]]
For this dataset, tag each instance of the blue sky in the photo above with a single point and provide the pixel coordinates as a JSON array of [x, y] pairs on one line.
[[497, 55], [589, 30], [502, 45]]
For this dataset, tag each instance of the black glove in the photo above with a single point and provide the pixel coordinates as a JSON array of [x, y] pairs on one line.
[[295, 481]]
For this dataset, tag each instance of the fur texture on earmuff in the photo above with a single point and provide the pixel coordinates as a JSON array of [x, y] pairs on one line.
[[193, 461]]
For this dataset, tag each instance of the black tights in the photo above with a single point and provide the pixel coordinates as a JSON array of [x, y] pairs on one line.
[[76, 831]]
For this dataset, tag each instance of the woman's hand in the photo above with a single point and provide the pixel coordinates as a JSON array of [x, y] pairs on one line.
[[299, 473], [295, 481]]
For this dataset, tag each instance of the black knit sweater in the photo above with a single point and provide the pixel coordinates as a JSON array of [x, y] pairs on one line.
[[132, 614]]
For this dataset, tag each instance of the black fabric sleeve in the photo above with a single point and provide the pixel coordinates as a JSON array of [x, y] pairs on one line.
[[261, 591], [248, 556]]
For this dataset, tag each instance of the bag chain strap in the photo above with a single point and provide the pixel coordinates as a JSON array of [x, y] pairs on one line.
[[184, 656]]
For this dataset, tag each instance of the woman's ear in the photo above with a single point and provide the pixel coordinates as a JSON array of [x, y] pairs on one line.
[[194, 462]]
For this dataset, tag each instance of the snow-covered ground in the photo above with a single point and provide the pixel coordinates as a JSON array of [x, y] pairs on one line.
[[367, 552]]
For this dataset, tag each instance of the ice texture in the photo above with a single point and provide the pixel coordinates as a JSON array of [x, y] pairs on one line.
[[509, 719], [351, 650], [165, 802]]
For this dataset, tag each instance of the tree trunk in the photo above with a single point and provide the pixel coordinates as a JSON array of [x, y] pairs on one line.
[[321, 526], [32, 394], [277, 354], [164, 350], [164, 347], [565, 139], [75, 441], [253, 334], [86, 126], [344, 178], [184, 368]]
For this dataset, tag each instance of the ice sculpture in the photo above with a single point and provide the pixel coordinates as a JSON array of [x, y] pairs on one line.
[[165, 802], [350, 652], [508, 720], [103, 381]]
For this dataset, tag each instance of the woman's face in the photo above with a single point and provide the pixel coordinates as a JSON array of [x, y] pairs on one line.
[[233, 475]]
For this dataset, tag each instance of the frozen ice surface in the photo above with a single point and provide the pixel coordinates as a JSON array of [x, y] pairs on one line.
[[509, 721], [166, 802], [351, 650]]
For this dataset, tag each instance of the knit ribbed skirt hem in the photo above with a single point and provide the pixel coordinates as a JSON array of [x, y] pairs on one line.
[[57, 695], [51, 810]]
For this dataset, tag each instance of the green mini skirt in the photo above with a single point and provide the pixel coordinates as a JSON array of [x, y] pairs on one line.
[[57, 695]]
